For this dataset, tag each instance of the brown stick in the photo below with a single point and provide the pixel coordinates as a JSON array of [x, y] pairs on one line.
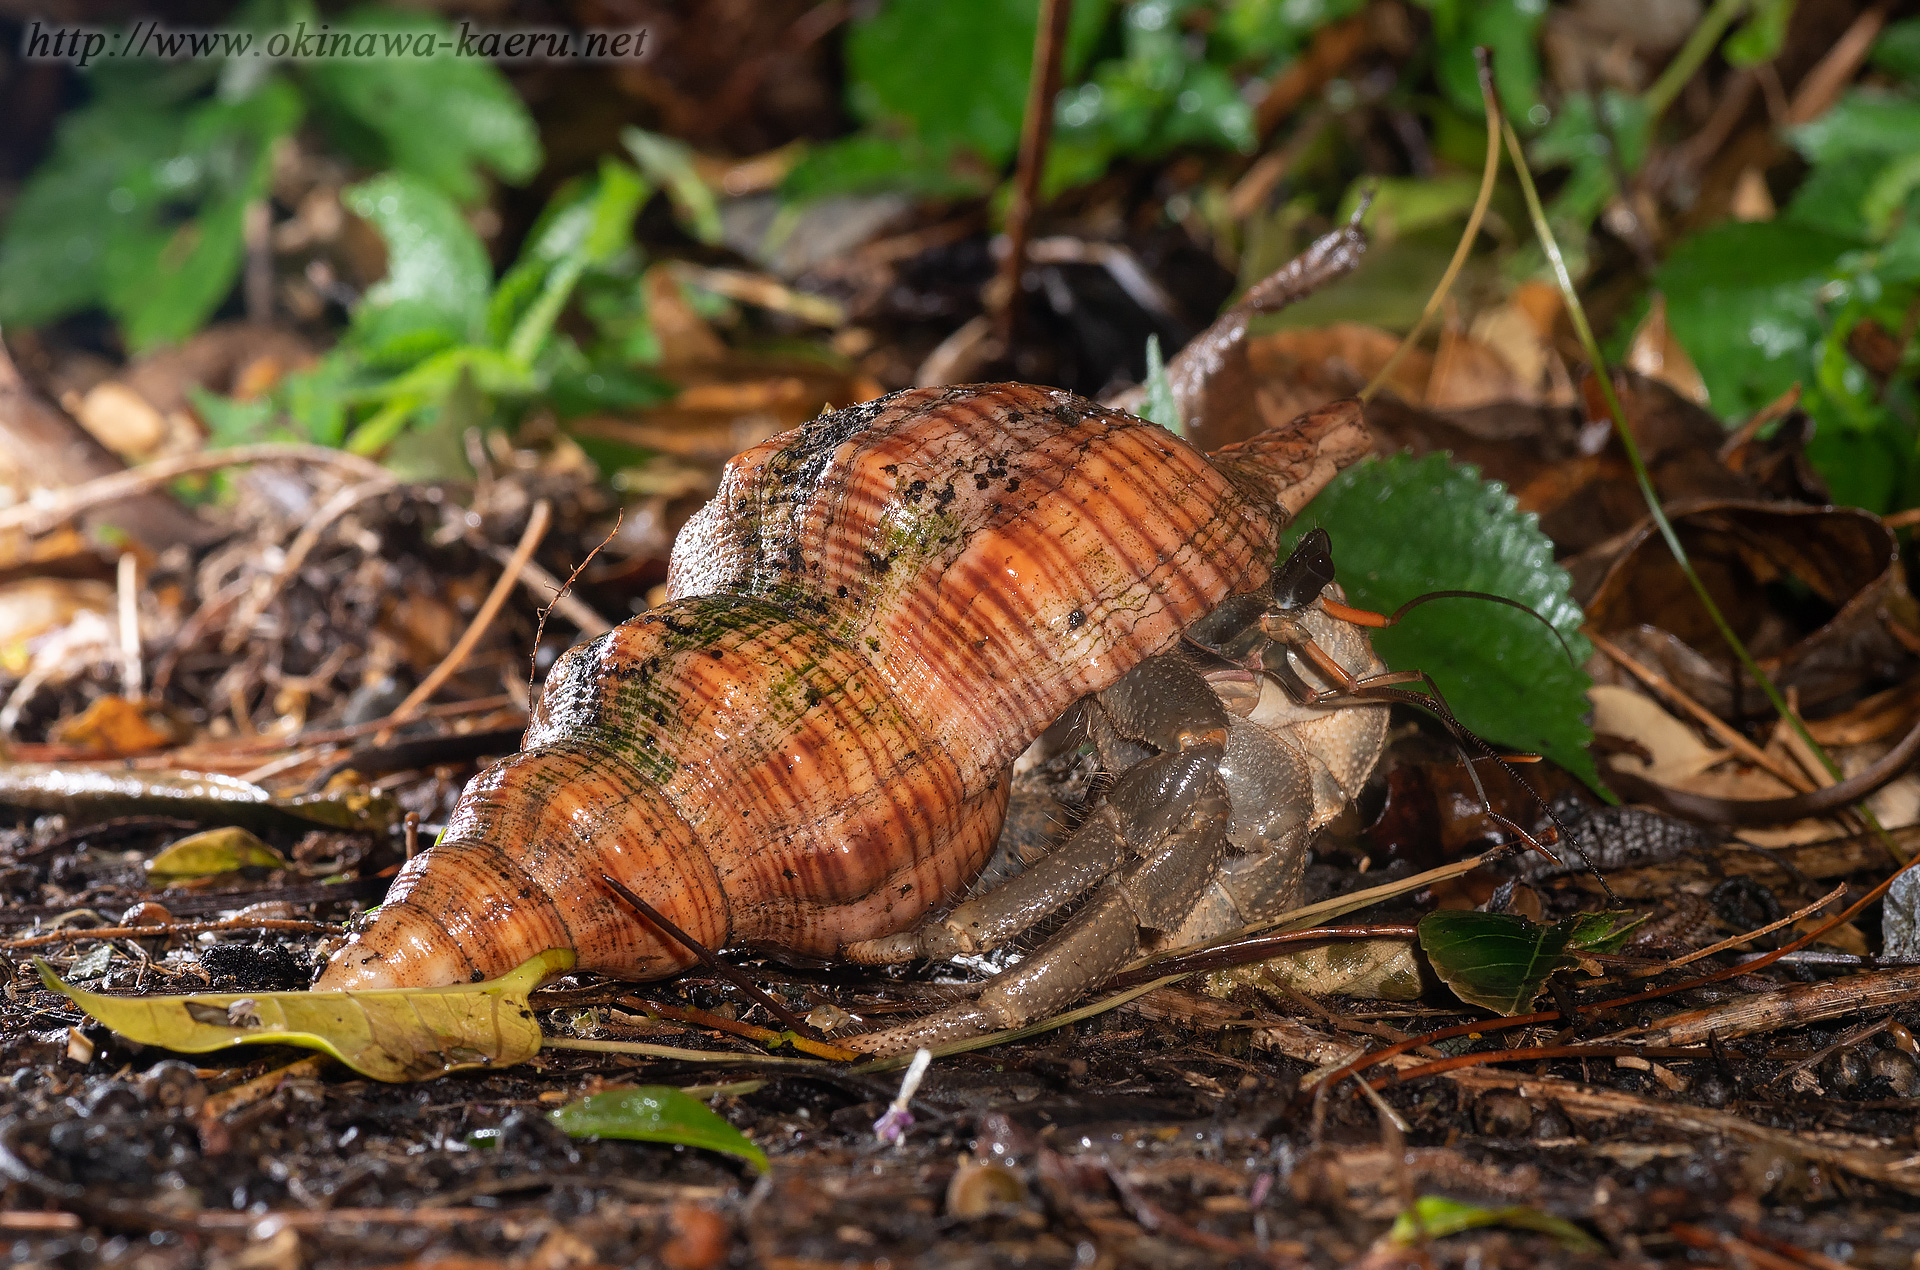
[[457, 656], [1790, 1007], [164, 930], [1036, 130], [731, 973], [117, 487]]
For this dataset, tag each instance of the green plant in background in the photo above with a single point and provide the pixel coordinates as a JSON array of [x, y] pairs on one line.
[[141, 207], [1763, 306], [438, 346]]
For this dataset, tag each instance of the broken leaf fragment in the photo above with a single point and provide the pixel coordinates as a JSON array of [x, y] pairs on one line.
[[1501, 961], [1435, 1216], [655, 1113], [391, 1034], [212, 853]]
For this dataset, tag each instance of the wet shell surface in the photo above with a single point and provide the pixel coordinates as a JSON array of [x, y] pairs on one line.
[[807, 745]]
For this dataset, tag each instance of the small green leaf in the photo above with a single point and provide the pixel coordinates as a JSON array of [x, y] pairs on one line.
[[392, 1034], [1435, 1217], [438, 276], [670, 163], [1501, 961], [655, 1113], [211, 853], [1402, 527], [902, 71], [1763, 35], [1161, 407]]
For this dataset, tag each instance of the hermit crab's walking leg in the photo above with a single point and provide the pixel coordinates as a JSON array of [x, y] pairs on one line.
[[1147, 855], [1204, 832]]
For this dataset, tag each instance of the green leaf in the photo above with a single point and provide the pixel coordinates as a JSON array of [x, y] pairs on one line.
[[1435, 1217], [440, 119], [1897, 51], [213, 852], [1402, 527], [670, 163], [52, 259], [392, 1034], [1865, 121], [1162, 407], [866, 165], [594, 226], [1762, 36], [1501, 961], [1405, 205], [438, 276], [655, 1113], [1506, 27], [1743, 300], [903, 71]]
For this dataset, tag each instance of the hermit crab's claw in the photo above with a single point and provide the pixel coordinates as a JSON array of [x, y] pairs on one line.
[[1303, 575]]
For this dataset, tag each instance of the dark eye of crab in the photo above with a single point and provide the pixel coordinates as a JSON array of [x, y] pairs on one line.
[[1301, 578]]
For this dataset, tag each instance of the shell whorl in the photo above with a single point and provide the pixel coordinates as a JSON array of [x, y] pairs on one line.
[[807, 744]]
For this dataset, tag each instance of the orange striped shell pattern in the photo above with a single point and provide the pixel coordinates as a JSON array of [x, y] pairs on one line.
[[808, 744]]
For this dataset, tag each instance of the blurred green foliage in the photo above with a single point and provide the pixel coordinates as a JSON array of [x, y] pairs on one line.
[[140, 208], [1763, 306], [440, 345]]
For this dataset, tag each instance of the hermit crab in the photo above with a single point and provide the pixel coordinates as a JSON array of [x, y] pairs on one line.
[[807, 747]]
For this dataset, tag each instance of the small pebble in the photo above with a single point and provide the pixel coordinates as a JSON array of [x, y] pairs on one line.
[[1503, 1114], [1551, 1124], [173, 1086], [1844, 1071], [1895, 1067], [1714, 1090]]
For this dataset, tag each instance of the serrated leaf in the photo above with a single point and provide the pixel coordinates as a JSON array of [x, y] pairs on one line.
[[1402, 527], [211, 853], [1434, 1217], [390, 1034], [1501, 961], [655, 1113]]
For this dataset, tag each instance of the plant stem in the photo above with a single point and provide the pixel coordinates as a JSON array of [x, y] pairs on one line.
[[1487, 175], [1692, 54], [1036, 130], [1577, 314]]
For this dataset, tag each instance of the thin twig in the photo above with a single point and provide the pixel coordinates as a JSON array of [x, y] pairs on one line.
[[457, 656], [1734, 941], [38, 515], [129, 595], [1036, 130], [166, 930], [1472, 232], [1672, 695]]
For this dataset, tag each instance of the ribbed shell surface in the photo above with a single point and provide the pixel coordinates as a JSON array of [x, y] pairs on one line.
[[996, 551], [807, 744]]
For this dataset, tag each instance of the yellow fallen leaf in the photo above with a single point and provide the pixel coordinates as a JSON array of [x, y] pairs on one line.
[[391, 1034], [213, 852], [113, 725]]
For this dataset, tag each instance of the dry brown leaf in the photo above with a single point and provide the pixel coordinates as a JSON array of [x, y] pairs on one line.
[[1656, 354], [114, 725], [1468, 373]]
